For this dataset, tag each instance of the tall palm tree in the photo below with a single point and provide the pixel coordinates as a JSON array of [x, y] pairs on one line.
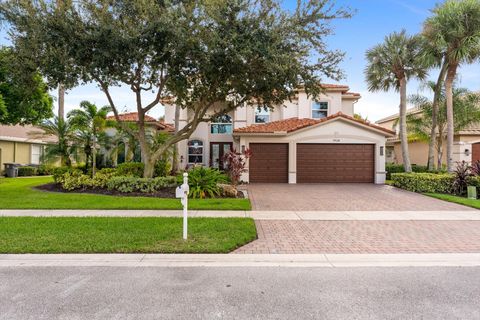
[[467, 112], [65, 147], [89, 121], [390, 66], [454, 30]]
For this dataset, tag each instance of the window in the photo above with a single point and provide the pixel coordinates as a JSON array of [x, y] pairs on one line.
[[36, 154], [262, 115], [195, 151], [319, 110], [221, 125]]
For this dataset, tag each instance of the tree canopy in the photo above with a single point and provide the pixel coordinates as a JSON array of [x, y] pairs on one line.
[[207, 54], [24, 97]]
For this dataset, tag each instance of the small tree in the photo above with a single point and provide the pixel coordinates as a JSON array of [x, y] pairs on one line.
[[390, 65], [212, 56], [235, 163], [454, 32], [90, 121]]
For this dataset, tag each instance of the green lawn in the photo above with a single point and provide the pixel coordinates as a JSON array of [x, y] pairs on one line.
[[460, 200], [122, 235], [18, 193]]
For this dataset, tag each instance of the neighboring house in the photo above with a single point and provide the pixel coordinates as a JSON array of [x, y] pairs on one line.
[[128, 148], [466, 146], [303, 141], [18, 146]]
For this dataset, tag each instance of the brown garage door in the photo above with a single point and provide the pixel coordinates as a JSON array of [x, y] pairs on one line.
[[475, 152], [317, 163], [269, 162]]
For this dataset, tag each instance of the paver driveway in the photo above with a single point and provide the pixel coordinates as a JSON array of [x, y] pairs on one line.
[[342, 197]]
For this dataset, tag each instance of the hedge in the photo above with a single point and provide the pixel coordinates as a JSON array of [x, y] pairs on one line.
[[398, 168], [130, 169], [424, 182], [27, 171], [135, 184]]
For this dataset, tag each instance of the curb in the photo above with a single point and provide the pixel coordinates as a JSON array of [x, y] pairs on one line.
[[241, 260]]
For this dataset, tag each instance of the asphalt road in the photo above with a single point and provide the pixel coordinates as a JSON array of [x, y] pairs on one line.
[[239, 293]]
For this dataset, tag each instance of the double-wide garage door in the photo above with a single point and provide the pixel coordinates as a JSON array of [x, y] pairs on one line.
[[316, 163]]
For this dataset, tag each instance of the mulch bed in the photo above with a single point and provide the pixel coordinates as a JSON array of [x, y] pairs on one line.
[[165, 193], [54, 187]]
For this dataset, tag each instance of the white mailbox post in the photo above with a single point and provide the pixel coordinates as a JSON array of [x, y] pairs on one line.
[[182, 193]]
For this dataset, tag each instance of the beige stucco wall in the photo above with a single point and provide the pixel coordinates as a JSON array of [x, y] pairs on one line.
[[337, 131], [14, 152]]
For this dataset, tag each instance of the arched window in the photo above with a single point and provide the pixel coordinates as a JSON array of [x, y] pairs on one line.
[[221, 125], [195, 151]]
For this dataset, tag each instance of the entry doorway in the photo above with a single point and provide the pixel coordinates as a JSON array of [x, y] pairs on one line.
[[217, 152]]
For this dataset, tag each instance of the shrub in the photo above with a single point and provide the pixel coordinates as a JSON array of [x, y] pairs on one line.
[[134, 169], [59, 172], [398, 168], [162, 168], [236, 164], [45, 170], [102, 177], [204, 182], [424, 182], [128, 184], [27, 171], [75, 180], [461, 175]]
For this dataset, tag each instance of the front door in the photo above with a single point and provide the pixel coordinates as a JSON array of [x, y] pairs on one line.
[[217, 151]]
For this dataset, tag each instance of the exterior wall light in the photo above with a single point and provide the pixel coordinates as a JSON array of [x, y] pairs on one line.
[[467, 152], [382, 150]]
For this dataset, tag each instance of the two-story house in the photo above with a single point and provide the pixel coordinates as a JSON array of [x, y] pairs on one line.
[[302, 141]]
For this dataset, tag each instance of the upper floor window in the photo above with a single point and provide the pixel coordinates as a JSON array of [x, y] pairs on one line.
[[262, 115], [36, 154], [319, 110], [195, 151], [221, 125]]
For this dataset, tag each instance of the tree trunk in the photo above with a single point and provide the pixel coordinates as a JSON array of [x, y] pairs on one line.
[[149, 168], [433, 131], [440, 152], [94, 156], [452, 69], [403, 125], [61, 101], [175, 146]]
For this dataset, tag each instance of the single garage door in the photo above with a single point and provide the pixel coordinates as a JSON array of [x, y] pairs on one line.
[[318, 163], [269, 162], [475, 152]]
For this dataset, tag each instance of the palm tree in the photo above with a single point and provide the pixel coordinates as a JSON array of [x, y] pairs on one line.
[[89, 121], [454, 30], [65, 147], [467, 112], [390, 65]]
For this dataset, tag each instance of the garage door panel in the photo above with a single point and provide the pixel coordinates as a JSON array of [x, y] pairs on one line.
[[326, 163], [268, 163]]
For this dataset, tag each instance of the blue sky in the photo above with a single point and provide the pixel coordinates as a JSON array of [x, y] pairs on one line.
[[374, 19]]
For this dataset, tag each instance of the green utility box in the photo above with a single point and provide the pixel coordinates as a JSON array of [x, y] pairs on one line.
[[472, 192]]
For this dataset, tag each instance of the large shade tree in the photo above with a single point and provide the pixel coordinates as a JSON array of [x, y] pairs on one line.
[[212, 56], [24, 97], [390, 65], [454, 30], [466, 113]]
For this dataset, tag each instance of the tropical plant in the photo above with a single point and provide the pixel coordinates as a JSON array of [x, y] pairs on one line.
[[462, 174], [89, 121], [203, 182], [235, 164], [390, 65], [268, 56], [65, 146], [454, 31], [475, 167], [134, 169], [467, 112]]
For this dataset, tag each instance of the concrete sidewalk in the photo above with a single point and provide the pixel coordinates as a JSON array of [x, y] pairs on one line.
[[473, 215], [228, 260]]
